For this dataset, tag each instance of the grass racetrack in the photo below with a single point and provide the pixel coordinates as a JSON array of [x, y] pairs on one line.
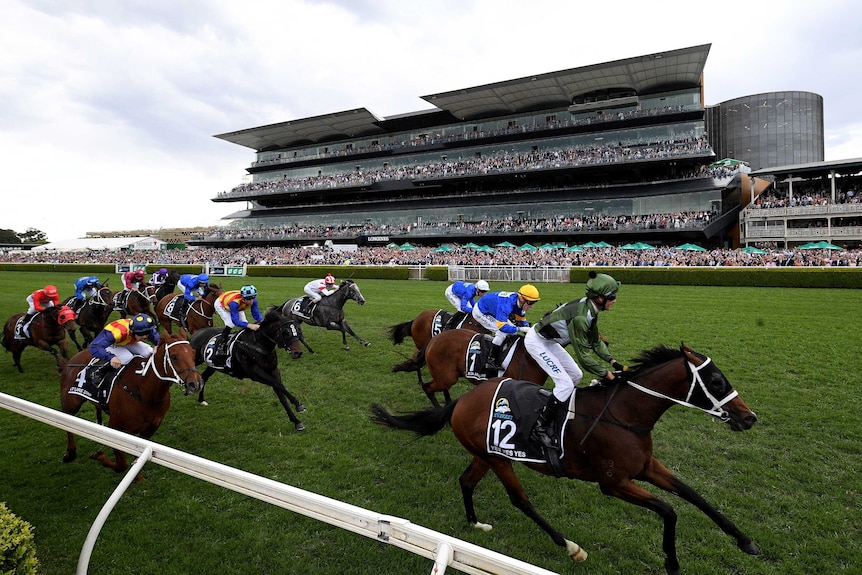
[[792, 483]]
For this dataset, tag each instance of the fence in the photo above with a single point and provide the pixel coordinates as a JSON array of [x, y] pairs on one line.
[[544, 274], [443, 549]]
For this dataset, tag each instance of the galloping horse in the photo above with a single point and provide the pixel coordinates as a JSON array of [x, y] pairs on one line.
[[253, 355], [136, 302], [427, 324], [329, 312], [607, 438], [93, 316], [141, 395], [47, 329], [452, 355], [156, 293], [199, 314]]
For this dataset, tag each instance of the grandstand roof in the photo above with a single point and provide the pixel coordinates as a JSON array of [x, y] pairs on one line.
[[683, 67], [99, 244], [850, 166]]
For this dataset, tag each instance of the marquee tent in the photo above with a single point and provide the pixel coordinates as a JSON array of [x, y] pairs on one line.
[[102, 244]]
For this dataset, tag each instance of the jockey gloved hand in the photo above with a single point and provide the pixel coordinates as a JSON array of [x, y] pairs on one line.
[[618, 366]]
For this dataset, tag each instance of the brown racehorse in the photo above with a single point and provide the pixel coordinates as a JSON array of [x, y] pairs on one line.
[[47, 329], [200, 312], [447, 355], [141, 395], [136, 302], [608, 441], [426, 325], [93, 316]]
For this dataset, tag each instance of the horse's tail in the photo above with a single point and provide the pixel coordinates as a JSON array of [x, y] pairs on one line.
[[414, 363], [424, 422], [397, 333]]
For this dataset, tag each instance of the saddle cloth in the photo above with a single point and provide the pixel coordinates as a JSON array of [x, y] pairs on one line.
[[303, 307], [515, 408], [98, 392], [477, 354]]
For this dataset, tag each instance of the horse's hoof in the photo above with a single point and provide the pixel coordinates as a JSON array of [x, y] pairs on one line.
[[346, 348], [575, 551], [299, 426], [483, 526], [204, 403], [749, 548], [98, 455], [366, 343], [70, 456], [300, 408]]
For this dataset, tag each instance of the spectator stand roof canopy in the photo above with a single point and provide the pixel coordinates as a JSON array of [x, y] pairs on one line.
[[638, 75]]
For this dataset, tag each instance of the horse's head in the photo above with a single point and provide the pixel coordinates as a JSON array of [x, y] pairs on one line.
[[177, 361], [711, 391], [173, 278], [290, 338], [353, 291]]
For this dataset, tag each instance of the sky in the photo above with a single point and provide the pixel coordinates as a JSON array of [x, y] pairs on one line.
[[108, 108]]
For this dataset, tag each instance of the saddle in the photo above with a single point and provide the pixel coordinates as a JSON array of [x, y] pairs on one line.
[[21, 331], [120, 299], [95, 382], [304, 307], [479, 348], [515, 408], [173, 310]]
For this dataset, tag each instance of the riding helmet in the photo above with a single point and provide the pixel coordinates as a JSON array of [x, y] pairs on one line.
[[482, 285], [163, 271], [203, 278], [601, 285], [529, 293], [248, 291], [142, 324], [329, 279], [139, 274], [51, 291]]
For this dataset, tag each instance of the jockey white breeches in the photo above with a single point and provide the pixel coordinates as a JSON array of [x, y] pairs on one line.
[[314, 295], [225, 314], [556, 362], [489, 322], [127, 352]]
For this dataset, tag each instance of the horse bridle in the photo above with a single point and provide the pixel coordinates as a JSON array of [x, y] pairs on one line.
[[166, 365], [696, 383]]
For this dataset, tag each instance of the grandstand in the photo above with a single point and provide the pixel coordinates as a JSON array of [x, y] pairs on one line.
[[617, 152]]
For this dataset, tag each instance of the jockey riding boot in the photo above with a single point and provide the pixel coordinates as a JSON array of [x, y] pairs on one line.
[[98, 371], [544, 430], [493, 362], [221, 342], [27, 317]]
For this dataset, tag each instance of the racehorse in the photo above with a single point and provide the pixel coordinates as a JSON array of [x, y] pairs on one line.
[[427, 324], [47, 329], [156, 293], [253, 355], [199, 314], [452, 354], [92, 316], [328, 312], [136, 302], [140, 397], [607, 439]]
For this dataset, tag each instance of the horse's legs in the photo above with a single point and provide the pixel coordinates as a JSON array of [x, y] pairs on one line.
[[502, 468], [305, 343], [468, 481], [283, 397], [346, 327], [205, 376], [660, 476], [74, 337]]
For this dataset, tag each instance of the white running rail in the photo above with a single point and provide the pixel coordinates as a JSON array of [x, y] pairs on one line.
[[446, 551]]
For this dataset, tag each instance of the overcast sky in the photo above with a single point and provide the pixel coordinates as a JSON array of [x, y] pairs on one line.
[[108, 107]]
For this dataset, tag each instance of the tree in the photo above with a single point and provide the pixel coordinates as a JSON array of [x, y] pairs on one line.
[[33, 236], [9, 237]]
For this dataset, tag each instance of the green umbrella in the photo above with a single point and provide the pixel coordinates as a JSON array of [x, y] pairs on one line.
[[527, 248], [808, 246], [443, 249], [505, 245], [575, 249], [602, 245], [392, 245], [406, 247], [727, 162], [828, 246], [548, 246], [590, 245], [753, 250], [629, 247], [471, 245], [487, 249], [690, 248], [644, 246]]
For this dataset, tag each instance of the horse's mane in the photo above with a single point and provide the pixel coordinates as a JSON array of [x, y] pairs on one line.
[[271, 315], [656, 356]]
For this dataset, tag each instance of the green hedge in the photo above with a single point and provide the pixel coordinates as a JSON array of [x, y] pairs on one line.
[[17, 549], [807, 277]]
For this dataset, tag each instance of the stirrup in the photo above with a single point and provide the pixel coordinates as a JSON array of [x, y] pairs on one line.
[[542, 435]]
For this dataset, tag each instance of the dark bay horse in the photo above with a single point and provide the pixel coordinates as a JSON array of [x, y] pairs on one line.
[[200, 312], [136, 302], [427, 324], [607, 439], [253, 355], [47, 329], [449, 357], [156, 293], [93, 316], [329, 312], [141, 394]]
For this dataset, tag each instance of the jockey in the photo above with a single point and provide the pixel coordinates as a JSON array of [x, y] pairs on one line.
[[158, 278], [194, 288], [85, 288], [121, 340], [575, 323], [462, 295], [40, 300], [316, 289], [504, 313], [133, 279], [231, 306]]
